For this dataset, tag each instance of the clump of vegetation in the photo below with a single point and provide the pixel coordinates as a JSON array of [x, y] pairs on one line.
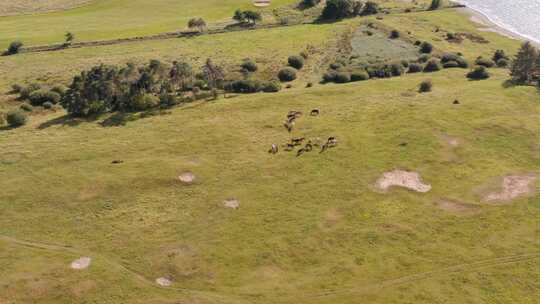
[[478, 73], [247, 17], [249, 66], [435, 5], [25, 91], [341, 9], [41, 96], [26, 107], [287, 74], [394, 34], [342, 77], [450, 60], [370, 8], [14, 48], [271, 87], [425, 86], [197, 23], [359, 76], [70, 37], [16, 118], [296, 62], [426, 47], [488, 63], [526, 64], [433, 65], [415, 68], [498, 55], [310, 3]]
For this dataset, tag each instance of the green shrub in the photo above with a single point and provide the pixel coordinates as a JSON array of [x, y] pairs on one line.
[[342, 77], [397, 69], [48, 105], [16, 118], [359, 76], [26, 107], [41, 96], [433, 66], [405, 63], [271, 87], [488, 63], [296, 62], [336, 65], [394, 34], [503, 63], [479, 72], [143, 102], [424, 58], [338, 9], [499, 54], [426, 47], [287, 74], [24, 92], [425, 86], [244, 86], [14, 48], [450, 64], [329, 76], [249, 65], [370, 8], [60, 89], [415, 68]]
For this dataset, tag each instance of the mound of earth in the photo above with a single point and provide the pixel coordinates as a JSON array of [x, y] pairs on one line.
[[187, 177], [81, 263], [231, 203], [163, 282], [19, 7], [513, 186], [401, 178], [457, 207]]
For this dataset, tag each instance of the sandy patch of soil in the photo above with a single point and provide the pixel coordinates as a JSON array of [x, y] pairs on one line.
[[187, 177], [231, 203], [17, 7], [81, 263], [512, 187], [457, 207], [164, 282], [400, 178]]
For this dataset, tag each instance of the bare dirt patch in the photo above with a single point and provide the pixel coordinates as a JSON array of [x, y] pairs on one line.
[[187, 177], [81, 263], [164, 282], [401, 178], [457, 207], [450, 141], [513, 187], [19, 7], [231, 203]]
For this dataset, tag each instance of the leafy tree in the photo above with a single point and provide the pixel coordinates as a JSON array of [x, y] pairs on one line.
[[70, 37], [213, 74], [435, 4], [181, 76], [371, 8], [524, 64], [197, 23], [338, 9], [14, 48], [252, 16]]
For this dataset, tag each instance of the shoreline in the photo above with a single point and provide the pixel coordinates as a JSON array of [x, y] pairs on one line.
[[486, 24]]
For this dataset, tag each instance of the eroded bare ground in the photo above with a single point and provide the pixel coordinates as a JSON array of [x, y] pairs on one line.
[[164, 282], [187, 177], [513, 187], [19, 7], [81, 263], [401, 178], [231, 203], [457, 207]]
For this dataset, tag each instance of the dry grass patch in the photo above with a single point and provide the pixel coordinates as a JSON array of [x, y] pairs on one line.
[[513, 187]]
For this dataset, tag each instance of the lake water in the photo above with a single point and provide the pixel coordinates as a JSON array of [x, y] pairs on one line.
[[519, 16]]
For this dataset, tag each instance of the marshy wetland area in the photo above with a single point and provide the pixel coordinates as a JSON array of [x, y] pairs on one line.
[[291, 151]]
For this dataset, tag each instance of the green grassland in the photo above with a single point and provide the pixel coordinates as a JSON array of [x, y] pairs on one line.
[[309, 229], [111, 19]]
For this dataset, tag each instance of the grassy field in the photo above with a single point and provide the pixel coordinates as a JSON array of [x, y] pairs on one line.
[[309, 229], [110, 19]]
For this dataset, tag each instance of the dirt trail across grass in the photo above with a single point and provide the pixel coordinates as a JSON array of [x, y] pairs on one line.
[[137, 276]]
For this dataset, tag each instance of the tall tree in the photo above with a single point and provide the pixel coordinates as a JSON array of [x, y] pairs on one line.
[[181, 75], [213, 74], [525, 63]]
